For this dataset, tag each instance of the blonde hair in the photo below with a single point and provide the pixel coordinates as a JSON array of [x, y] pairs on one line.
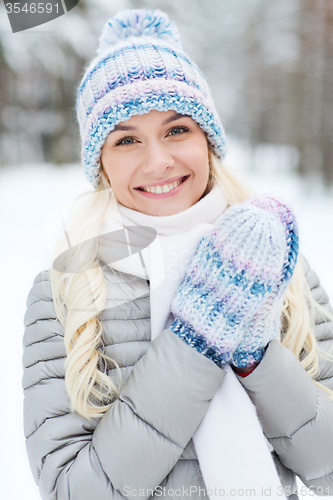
[[79, 294]]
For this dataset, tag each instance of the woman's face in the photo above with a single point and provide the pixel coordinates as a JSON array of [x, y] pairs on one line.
[[157, 163]]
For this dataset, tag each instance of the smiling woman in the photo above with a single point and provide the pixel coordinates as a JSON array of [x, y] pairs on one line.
[[162, 168], [184, 348]]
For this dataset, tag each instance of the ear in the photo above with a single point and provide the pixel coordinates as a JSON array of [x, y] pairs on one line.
[[104, 173], [102, 169], [209, 152]]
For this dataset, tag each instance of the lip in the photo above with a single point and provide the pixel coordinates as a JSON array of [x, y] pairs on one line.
[[157, 196], [162, 183]]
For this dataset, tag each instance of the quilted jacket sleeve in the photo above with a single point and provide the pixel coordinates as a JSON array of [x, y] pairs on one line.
[[296, 415], [137, 442]]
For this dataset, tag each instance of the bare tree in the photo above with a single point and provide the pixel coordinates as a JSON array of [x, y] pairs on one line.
[[315, 81], [327, 123]]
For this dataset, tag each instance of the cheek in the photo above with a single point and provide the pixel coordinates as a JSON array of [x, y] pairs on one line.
[[115, 172], [199, 157], [118, 181]]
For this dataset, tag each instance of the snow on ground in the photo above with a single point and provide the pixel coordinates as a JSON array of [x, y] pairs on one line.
[[29, 194]]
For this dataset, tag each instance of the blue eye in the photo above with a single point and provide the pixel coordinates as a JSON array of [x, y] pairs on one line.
[[125, 141], [178, 130]]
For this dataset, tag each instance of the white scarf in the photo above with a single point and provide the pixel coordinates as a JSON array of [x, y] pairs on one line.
[[232, 451]]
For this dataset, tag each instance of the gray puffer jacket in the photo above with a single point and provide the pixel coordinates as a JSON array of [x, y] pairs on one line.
[[143, 443]]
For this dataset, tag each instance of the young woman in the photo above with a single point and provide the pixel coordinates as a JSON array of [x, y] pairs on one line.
[[174, 349]]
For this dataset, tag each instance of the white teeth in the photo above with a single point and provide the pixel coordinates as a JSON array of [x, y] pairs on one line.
[[162, 189]]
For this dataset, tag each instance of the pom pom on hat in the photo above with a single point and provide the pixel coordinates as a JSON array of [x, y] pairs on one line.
[[137, 23]]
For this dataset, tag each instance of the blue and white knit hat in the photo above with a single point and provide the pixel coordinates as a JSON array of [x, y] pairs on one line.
[[140, 66]]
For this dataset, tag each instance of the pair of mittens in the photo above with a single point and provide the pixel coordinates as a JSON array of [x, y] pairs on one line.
[[229, 304]]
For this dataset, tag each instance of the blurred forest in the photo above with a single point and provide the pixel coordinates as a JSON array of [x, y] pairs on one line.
[[269, 64]]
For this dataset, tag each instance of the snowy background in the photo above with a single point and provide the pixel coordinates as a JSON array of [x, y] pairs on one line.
[[31, 193], [269, 65]]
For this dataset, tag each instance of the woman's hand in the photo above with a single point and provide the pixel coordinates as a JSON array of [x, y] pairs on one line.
[[243, 372], [266, 322], [232, 275]]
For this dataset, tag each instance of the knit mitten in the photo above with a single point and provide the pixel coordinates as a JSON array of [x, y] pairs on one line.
[[234, 269], [266, 322]]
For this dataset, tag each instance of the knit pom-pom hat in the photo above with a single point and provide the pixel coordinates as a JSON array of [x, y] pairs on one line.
[[140, 66]]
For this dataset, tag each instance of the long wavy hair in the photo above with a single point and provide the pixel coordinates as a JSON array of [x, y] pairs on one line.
[[79, 294]]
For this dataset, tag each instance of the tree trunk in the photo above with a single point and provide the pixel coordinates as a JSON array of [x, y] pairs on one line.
[[327, 128], [311, 87]]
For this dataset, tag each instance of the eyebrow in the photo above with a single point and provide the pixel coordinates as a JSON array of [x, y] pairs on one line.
[[172, 118]]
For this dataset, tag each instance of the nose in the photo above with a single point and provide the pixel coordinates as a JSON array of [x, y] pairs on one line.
[[157, 158]]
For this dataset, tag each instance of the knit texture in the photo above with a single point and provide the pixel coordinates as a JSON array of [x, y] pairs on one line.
[[140, 66], [237, 267], [266, 322]]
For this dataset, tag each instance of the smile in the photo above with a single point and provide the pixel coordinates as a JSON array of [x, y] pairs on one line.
[[163, 189]]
